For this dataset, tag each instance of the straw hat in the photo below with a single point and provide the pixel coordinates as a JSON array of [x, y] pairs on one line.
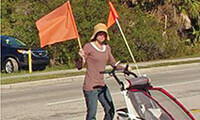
[[100, 28]]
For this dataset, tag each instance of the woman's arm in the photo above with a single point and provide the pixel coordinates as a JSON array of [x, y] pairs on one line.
[[112, 59], [81, 60], [83, 57]]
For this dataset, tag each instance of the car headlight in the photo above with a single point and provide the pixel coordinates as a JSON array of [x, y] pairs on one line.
[[22, 51]]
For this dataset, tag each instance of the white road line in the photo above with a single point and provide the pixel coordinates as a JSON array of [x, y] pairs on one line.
[[81, 99], [66, 101], [72, 100], [189, 82], [168, 71]]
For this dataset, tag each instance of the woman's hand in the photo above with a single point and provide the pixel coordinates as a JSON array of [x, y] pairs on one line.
[[80, 61], [130, 68], [126, 84], [81, 53]]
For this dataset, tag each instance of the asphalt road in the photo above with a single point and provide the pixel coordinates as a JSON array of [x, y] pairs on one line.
[[64, 101]]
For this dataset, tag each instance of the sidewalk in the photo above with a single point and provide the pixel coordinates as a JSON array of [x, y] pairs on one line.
[[75, 78]]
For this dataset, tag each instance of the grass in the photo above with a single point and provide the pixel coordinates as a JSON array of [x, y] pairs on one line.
[[36, 78], [48, 69], [60, 75]]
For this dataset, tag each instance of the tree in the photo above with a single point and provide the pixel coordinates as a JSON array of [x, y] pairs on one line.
[[149, 26]]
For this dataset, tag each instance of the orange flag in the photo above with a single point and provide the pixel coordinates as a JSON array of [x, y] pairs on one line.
[[57, 26], [112, 15]]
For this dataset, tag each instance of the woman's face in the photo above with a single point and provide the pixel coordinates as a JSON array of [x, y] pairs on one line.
[[101, 37]]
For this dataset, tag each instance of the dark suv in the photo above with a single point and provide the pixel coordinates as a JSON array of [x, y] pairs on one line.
[[14, 55]]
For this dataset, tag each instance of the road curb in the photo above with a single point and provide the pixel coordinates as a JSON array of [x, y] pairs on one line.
[[81, 77], [42, 82], [140, 64]]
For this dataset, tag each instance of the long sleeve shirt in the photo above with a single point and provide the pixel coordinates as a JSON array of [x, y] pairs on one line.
[[96, 61]]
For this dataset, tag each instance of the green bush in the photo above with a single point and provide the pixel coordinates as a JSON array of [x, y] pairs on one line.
[[145, 34]]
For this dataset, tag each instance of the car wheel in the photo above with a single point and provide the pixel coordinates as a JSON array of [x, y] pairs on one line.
[[11, 65]]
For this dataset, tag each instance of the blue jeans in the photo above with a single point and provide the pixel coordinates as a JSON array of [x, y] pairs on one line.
[[103, 95]]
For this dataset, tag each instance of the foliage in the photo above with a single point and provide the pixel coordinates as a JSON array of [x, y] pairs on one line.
[[189, 7], [144, 32]]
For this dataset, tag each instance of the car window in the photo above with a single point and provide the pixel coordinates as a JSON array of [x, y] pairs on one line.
[[19, 43], [14, 42]]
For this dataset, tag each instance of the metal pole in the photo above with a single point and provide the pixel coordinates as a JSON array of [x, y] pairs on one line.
[[128, 46], [30, 61]]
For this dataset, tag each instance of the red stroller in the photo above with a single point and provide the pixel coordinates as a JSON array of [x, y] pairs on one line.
[[145, 102]]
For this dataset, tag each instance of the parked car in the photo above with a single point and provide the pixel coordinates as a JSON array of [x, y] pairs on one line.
[[14, 55]]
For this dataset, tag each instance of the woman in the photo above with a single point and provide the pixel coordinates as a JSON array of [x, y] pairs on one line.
[[95, 56]]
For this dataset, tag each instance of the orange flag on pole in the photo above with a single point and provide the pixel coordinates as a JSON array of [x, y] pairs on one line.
[[112, 15], [57, 26]]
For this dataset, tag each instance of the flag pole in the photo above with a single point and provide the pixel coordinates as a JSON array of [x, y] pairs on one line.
[[79, 43], [74, 24], [127, 46]]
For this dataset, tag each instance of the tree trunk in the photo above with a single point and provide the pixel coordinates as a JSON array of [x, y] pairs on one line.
[[186, 21]]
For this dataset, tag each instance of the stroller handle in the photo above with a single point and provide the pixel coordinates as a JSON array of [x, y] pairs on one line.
[[113, 71]]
